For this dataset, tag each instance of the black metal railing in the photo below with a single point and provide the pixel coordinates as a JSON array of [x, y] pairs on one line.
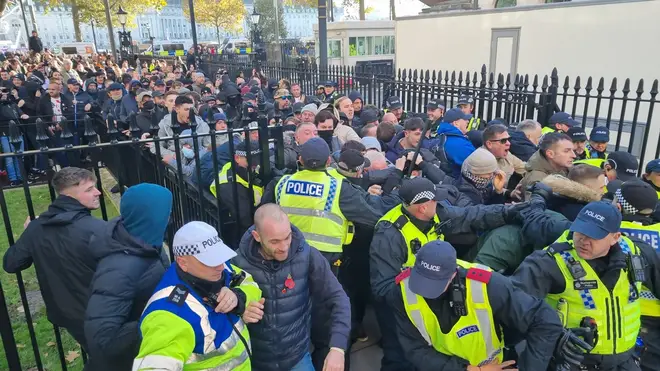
[[129, 161], [628, 114]]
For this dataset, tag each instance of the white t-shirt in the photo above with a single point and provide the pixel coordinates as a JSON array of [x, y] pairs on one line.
[[56, 103]]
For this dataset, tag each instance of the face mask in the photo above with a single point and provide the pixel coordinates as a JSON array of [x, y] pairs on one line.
[[326, 135], [188, 153], [148, 106], [91, 91], [116, 98]]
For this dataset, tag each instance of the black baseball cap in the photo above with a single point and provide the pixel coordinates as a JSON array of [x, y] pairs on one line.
[[600, 134], [394, 102], [435, 104], [464, 99], [435, 265], [297, 107], [71, 82], [625, 165], [455, 114], [315, 153], [597, 220], [249, 96], [563, 118], [352, 160], [577, 134], [418, 190]]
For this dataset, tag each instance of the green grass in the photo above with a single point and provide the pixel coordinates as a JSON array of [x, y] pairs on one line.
[[45, 335]]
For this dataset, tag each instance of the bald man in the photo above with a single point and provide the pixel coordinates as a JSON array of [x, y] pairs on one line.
[[295, 277]]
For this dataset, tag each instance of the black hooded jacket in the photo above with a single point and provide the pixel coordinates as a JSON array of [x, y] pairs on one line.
[[58, 244]]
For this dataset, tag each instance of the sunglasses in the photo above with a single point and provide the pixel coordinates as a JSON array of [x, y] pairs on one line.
[[286, 97], [502, 141]]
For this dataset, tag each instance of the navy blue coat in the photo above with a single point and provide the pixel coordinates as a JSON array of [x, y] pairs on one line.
[[521, 147], [128, 271], [282, 337]]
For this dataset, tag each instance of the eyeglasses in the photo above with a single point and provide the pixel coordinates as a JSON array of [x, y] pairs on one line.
[[502, 141]]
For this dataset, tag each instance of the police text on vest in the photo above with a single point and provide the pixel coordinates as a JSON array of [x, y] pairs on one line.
[[300, 188]]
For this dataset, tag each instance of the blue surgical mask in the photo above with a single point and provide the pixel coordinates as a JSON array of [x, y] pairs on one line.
[[188, 153]]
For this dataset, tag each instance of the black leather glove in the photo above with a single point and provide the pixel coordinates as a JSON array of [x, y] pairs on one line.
[[512, 212], [570, 349], [542, 190]]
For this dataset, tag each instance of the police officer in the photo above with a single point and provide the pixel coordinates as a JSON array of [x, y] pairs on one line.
[[321, 204], [435, 109], [241, 172], [560, 121], [401, 232], [637, 200], [393, 104], [652, 175], [196, 317], [598, 139], [593, 276], [329, 92], [579, 138], [450, 315], [466, 104]]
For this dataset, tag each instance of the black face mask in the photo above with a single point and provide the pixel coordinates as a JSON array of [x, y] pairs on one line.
[[148, 106], [327, 136], [91, 91]]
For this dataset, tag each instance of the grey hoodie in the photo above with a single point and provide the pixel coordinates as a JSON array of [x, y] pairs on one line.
[[165, 131]]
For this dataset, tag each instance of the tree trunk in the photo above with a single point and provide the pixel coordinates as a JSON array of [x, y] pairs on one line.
[[217, 34], [361, 10], [392, 10], [75, 14]]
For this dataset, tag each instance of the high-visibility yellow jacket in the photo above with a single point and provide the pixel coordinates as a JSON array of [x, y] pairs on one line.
[[617, 313]]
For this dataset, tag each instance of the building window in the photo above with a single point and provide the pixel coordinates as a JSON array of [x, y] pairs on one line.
[[334, 48], [378, 45], [386, 44], [505, 3]]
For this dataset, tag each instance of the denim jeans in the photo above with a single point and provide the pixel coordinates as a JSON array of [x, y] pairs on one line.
[[11, 163], [305, 364]]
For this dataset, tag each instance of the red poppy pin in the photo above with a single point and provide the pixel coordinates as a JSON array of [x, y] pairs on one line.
[[289, 283]]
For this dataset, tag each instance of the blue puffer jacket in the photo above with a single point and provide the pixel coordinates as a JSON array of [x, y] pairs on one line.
[[282, 337], [457, 147]]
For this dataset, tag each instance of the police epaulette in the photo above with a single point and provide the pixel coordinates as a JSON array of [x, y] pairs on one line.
[[558, 247], [400, 222], [179, 294]]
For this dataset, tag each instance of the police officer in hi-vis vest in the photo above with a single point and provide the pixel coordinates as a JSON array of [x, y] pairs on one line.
[[594, 153], [652, 175], [321, 204], [239, 204], [452, 315], [597, 281], [466, 104], [637, 201], [560, 121], [195, 320]]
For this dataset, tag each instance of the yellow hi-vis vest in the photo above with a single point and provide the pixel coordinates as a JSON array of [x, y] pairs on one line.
[[546, 130], [597, 162], [617, 313], [409, 232], [311, 200], [474, 124], [473, 338], [224, 177], [651, 235]]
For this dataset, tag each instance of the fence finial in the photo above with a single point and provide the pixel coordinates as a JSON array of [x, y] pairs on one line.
[[42, 135], [90, 134], [15, 136]]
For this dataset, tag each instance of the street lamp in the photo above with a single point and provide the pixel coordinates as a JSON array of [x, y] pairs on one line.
[[254, 17], [125, 40], [151, 39], [121, 15]]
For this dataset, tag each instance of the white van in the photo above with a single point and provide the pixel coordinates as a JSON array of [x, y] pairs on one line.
[[82, 48]]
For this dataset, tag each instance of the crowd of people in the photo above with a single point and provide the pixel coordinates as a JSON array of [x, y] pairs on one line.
[[481, 245]]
